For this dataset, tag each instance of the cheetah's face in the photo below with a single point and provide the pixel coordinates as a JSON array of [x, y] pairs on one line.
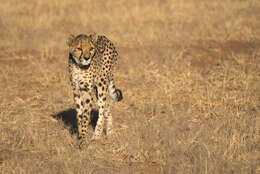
[[81, 49]]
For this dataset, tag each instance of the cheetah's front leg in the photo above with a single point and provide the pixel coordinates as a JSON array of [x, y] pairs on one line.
[[83, 102], [102, 104]]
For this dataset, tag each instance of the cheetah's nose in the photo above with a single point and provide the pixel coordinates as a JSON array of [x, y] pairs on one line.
[[86, 58]]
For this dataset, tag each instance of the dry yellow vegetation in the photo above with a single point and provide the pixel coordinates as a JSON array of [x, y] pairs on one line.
[[189, 71]]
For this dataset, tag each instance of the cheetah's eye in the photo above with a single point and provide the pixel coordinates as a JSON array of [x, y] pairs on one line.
[[91, 49], [79, 49]]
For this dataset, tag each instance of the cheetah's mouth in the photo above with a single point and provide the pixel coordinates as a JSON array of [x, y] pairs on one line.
[[84, 66], [76, 61]]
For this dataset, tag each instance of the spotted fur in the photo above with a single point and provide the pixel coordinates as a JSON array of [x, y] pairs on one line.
[[91, 62]]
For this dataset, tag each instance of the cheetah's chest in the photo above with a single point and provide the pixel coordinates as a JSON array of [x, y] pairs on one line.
[[81, 77]]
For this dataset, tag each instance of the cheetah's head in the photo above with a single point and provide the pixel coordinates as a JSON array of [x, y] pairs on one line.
[[81, 49]]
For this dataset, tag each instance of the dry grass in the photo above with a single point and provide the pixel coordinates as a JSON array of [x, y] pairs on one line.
[[189, 72]]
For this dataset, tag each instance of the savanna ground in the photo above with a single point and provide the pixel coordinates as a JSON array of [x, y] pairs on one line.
[[189, 71]]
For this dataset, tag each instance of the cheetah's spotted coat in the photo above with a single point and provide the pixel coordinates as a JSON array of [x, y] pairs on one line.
[[91, 61]]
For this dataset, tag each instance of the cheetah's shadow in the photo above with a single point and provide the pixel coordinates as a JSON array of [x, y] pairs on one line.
[[69, 118]]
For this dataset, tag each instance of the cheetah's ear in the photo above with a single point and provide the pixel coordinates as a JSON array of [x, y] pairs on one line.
[[70, 39], [94, 37]]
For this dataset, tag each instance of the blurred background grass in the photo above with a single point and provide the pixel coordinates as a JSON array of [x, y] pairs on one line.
[[127, 22]]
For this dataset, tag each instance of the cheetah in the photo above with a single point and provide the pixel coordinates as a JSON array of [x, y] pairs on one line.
[[92, 59]]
